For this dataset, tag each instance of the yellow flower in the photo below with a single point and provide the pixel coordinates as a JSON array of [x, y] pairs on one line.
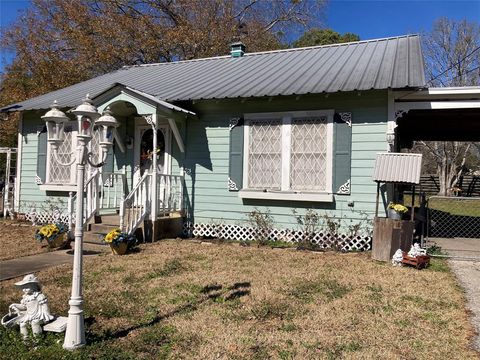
[[400, 208], [112, 235]]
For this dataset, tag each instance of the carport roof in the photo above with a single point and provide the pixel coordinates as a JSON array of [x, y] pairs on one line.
[[388, 63]]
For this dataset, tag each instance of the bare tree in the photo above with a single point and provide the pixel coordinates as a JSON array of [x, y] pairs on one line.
[[452, 53], [450, 160], [61, 42]]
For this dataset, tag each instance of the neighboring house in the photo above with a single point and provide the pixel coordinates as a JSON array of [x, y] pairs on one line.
[[278, 130]]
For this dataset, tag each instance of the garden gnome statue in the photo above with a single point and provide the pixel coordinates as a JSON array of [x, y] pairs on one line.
[[33, 308], [397, 258], [416, 250]]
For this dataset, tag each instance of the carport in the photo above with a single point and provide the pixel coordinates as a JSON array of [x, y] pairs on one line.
[[437, 114], [444, 114]]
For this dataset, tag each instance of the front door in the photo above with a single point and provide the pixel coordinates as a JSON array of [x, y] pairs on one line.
[[144, 152]]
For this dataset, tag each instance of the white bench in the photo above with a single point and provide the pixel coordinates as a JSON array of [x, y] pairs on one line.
[[58, 325]]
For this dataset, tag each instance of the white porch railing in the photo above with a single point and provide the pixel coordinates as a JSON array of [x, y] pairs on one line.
[[103, 191], [106, 191], [170, 193], [114, 189], [92, 198], [136, 206]]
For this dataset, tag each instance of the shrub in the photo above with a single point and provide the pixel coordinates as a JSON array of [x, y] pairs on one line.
[[308, 224], [262, 223]]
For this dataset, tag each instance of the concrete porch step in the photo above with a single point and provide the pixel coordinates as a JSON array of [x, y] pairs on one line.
[[101, 226], [108, 219], [166, 225], [90, 237]]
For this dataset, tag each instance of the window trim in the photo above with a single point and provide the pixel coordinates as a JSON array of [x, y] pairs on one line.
[[58, 186], [286, 193]]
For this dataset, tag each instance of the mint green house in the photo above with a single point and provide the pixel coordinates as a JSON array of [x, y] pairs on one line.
[[210, 140]]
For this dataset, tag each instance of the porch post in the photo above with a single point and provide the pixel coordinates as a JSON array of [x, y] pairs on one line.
[[153, 205], [391, 122], [6, 187]]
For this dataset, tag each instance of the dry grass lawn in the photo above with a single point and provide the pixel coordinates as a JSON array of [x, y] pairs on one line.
[[17, 240], [185, 300]]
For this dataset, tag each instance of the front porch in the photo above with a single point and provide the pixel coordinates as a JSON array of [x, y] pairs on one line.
[[140, 189], [109, 205]]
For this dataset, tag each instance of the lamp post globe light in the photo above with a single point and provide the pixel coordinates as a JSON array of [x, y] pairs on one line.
[[87, 117]]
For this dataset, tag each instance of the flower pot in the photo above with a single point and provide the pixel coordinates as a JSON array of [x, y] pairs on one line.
[[392, 214], [59, 240], [119, 249]]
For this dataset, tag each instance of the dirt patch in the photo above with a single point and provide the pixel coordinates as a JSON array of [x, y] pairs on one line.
[[178, 299], [17, 240]]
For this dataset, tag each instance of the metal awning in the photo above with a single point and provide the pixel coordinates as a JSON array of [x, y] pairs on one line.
[[398, 168]]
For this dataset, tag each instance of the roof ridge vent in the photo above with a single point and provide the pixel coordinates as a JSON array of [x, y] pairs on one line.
[[237, 49]]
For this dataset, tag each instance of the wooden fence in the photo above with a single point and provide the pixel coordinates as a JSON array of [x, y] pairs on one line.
[[469, 184]]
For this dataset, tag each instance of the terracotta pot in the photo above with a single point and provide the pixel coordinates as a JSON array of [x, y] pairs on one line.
[[392, 214], [59, 240], [119, 249]]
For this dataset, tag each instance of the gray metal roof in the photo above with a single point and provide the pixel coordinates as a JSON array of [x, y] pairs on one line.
[[395, 63], [398, 167]]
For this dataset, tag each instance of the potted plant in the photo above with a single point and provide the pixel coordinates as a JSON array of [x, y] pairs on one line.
[[395, 211], [54, 234], [120, 241]]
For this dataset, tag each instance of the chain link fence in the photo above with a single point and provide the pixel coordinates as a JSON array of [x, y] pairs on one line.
[[453, 217]]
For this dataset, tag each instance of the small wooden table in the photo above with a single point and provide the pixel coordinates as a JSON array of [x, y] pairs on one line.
[[420, 262]]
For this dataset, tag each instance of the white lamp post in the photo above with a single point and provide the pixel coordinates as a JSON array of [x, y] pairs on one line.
[[87, 117]]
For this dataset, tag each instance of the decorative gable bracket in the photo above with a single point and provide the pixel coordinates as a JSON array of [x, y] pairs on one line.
[[234, 122], [346, 117]]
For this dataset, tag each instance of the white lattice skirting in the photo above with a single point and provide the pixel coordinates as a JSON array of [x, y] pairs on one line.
[[245, 233], [47, 217]]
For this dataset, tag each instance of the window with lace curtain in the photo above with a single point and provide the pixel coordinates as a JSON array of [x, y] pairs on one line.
[[288, 152]]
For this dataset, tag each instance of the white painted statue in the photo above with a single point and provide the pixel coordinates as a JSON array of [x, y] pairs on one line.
[[397, 258], [33, 308], [416, 250]]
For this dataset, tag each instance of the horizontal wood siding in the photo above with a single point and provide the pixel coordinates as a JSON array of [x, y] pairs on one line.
[[207, 155], [206, 160], [30, 193]]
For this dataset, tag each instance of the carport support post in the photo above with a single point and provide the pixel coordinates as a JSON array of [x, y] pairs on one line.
[[378, 197], [412, 216]]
